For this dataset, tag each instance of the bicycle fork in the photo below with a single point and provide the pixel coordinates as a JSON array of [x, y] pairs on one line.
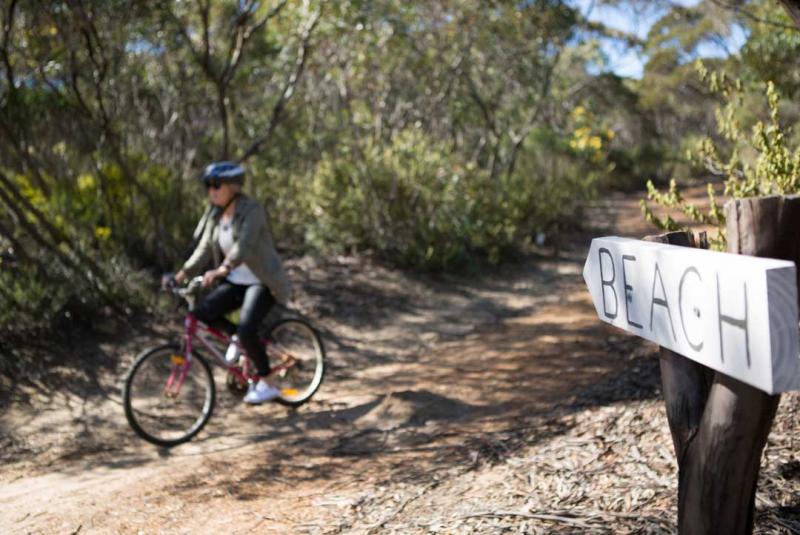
[[180, 369], [181, 363]]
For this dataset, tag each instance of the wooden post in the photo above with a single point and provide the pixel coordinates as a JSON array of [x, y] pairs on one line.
[[720, 425], [685, 385]]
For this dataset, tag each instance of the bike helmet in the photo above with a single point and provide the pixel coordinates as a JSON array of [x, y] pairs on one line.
[[229, 172]]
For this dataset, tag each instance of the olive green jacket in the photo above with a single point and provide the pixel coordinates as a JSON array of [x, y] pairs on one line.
[[253, 246]]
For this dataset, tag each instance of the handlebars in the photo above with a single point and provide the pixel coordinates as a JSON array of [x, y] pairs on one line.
[[187, 292], [191, 288]]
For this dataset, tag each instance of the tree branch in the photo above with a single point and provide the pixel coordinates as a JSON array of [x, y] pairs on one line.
[[205, 9], [793, 8], [202, 58], [30, 228], [19, 250], [289, 86], [484, 108], [15, 200], [95, 51], [739, 10], [8, 26], [526, 129], [25, 158]]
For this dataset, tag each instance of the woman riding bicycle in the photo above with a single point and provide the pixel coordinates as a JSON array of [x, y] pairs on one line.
[[236, 239]]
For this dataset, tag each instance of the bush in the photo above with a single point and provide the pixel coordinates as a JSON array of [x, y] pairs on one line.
[[761, 163], [415, 202]]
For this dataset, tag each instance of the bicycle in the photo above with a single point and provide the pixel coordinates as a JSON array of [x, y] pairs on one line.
[[169, 392]]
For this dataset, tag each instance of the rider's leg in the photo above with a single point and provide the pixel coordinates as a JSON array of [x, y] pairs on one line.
[[257, 303], [223, 299]]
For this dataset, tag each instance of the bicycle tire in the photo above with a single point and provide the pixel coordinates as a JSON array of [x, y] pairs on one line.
[[298, 337], [134, 400]]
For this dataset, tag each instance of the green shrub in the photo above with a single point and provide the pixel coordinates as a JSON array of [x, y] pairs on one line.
[[759, 163], [415, 202]]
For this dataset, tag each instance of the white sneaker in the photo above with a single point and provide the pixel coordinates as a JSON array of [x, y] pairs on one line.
[[261, 392], [232, 353]]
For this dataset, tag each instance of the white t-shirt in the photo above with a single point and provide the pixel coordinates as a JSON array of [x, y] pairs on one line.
[[241, 274]]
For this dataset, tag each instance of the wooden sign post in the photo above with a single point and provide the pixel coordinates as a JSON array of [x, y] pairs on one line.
[[720, 405]]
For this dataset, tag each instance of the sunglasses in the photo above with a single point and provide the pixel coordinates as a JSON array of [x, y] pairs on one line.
[[213, 184]]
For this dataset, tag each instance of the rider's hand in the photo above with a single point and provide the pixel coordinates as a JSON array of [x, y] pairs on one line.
[[210, 276], [168, 280]]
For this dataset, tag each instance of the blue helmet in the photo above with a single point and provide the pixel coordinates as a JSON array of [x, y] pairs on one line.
[[229, 172]]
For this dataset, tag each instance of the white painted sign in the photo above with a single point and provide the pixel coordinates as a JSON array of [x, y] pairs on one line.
[[733, 313]]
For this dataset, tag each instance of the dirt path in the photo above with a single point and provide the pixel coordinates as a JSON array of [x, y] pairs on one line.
[[431, 381]]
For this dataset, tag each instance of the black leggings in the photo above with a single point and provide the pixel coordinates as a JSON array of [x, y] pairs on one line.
[[255, 300]]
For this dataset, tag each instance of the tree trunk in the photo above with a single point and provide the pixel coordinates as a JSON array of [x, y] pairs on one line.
[[793, 7], [222, 108]]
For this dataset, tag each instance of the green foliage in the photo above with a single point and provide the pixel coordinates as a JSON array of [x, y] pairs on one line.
[[772, 50], [760, 162], [434, 134], [50, 301], [415, 203]]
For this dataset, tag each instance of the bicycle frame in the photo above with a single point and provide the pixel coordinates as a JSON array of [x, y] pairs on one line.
[[194, 329]]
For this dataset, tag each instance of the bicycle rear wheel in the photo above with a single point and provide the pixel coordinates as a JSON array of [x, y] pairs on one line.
[[168, 399], [298, 356]]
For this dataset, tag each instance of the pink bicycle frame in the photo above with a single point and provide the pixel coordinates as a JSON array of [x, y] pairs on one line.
[[193, 328]]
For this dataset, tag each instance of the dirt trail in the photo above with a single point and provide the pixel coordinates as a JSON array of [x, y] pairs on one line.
[[428, 377]]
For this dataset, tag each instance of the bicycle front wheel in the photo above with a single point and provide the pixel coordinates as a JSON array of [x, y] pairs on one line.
[[298, 357], [168, 398]]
